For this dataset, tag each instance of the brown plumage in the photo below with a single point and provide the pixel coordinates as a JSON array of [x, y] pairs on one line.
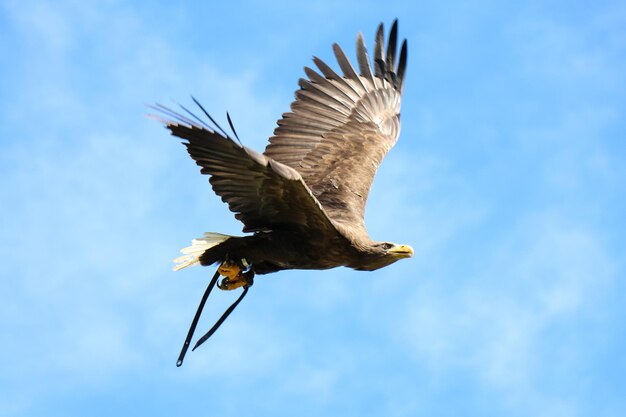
[[304, 198]]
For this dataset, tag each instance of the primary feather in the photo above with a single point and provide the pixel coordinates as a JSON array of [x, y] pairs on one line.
[[340, 128]]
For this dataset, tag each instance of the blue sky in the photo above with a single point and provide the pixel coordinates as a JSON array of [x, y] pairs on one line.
[[507, 180]]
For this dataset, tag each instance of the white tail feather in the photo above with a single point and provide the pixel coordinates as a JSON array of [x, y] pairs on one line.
[[198, 246]]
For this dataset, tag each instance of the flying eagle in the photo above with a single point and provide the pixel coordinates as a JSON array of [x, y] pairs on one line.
[[303, 198]]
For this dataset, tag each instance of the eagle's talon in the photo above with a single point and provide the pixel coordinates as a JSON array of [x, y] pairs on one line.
[[234, 277], [228, 284], [229, 269]]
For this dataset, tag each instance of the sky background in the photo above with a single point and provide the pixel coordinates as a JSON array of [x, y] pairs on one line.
[[508, 181]]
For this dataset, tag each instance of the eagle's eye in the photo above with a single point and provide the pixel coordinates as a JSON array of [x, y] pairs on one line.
[[387, 246]]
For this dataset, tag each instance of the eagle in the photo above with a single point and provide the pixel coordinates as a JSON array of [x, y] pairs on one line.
[[302, 200]]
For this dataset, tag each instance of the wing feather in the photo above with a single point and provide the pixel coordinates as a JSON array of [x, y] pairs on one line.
[[330, 88], [402, 64], [364, 60], [348, 71], [379, 52], [263, 193], [340, 127], [391, 47], [340, 82]]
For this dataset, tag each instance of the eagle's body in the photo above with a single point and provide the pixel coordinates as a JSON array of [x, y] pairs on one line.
[[304, 198], [305, 249]]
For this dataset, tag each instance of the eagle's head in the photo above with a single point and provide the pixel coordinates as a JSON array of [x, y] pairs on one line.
[[381, 254]]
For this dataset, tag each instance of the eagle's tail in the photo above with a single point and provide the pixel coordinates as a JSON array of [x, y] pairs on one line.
[[191, 254]]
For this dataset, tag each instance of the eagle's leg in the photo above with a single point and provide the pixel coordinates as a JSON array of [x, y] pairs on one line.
[[236, 274]]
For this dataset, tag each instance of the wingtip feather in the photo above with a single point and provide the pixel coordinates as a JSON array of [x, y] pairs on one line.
[[391, 45], [402, 64], [363, 60]]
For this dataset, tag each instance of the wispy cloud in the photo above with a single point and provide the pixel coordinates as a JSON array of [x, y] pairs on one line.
[[500, 322], [81, 187]]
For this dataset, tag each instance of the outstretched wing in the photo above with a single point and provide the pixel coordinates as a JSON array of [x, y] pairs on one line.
[[265, 194], [341, 127]]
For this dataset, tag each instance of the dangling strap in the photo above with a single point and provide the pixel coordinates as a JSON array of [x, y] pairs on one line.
[[221, 320], [194, 323], [217, 324]]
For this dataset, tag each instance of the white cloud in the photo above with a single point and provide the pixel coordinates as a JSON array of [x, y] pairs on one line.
[[545, 273], [85, 189]]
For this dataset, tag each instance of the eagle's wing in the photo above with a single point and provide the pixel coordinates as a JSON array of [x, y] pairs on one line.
[[263, 193], [340, 128]]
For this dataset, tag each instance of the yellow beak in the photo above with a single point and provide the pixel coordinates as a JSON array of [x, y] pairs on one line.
[[402, 251]]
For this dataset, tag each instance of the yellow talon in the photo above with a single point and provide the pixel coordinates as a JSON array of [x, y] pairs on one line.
[[228, 284], [229, 269], [234, 278]]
